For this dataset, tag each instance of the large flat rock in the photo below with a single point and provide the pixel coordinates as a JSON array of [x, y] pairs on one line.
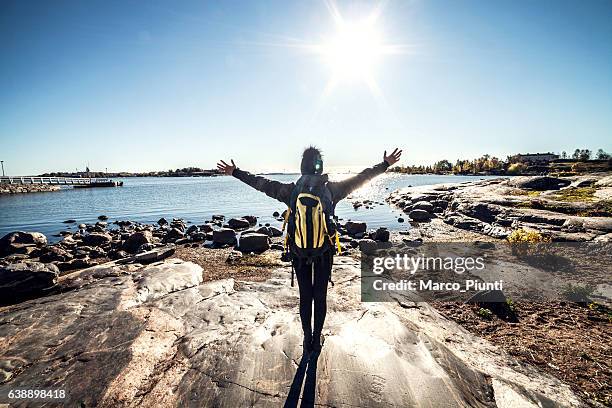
[[155, 336]]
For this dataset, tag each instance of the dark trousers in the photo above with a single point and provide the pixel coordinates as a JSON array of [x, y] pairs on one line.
[[312, 281]]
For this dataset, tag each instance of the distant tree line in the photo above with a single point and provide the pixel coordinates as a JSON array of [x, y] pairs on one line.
[[492, 165], [586, 154]]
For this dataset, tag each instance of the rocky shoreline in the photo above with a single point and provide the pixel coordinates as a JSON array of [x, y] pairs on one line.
[[569, 209], [6, 188], [110, 258]]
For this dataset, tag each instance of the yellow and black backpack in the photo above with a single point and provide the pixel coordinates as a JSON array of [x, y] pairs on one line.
[[311, 229]]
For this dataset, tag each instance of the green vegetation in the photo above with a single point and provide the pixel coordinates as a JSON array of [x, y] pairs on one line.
[[569, 164], [596, 307], [485, 313], [511, 305], [517, 168], [522, 236], [574, 194]]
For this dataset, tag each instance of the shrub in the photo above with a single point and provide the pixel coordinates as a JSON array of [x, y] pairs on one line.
[[517, 168], [522, 236], [485, 313]]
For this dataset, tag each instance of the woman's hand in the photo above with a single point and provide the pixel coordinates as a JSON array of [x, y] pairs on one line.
[[223, 167], [392, 158]]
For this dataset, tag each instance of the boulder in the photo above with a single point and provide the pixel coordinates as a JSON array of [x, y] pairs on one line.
[[218, 217], [368, 246], [74, 264], [154, 255], [382, 234], [224, 236], [251, 219], [173, 235], [238, 223], [97, 239], [276, 232], [162, 221], [70, 221], [539, 183], [423, 205], [400, 220], [269, 231], [178, 224], [54, 254], [206, 228], [440, 203], [419, 215], [275, 214], [192, 230], [355, 227], [136, 240], [102, 217], [18, 241], [25, 280], [254, 242]]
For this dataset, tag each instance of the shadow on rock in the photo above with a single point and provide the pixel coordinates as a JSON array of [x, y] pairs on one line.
[[306, 375]]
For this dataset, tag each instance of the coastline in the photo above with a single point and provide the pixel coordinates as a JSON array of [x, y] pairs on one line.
[[246, 252]]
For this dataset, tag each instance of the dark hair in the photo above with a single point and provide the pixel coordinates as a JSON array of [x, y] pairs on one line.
[[312, 161]]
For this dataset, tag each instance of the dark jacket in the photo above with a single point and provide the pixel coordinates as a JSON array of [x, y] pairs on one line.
[[282, 191]]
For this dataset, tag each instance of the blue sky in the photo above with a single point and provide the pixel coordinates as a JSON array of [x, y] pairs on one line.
[[130, 85]]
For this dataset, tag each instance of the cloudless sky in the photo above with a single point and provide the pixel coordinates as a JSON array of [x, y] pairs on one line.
[[140, 86]]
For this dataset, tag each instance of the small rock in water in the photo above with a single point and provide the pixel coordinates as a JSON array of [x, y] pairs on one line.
[[400, 219], [103, 217], [70, 221], [419, 215], [355, 227], [251, 219], [275, 214], [238, 223], [162, 221]]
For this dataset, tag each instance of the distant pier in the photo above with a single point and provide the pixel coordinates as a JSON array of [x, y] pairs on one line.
[[80, 182]]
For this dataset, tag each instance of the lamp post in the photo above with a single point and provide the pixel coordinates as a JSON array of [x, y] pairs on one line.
[[2, 161]]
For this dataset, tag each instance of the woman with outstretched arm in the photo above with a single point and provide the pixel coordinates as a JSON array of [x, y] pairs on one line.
[[312, 262]]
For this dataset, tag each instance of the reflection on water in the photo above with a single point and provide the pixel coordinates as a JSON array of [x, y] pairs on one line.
[[194, 199]]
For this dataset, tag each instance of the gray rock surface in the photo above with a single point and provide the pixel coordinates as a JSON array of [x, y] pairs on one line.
[[129, 336], [18, 241], [539, 183], [25, 279], [496, 207], [97, 238], [136, 240]]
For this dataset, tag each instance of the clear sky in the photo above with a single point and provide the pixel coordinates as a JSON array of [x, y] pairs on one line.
[[139, 86]]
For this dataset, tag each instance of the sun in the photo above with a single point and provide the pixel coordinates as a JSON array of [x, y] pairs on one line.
[[354, 51]]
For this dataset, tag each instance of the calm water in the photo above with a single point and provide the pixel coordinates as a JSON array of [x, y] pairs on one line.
[[194, 199]]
